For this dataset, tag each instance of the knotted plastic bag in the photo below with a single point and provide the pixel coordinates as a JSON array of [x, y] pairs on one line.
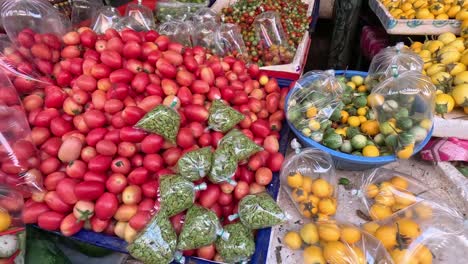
[[308, 177], [223, 117], [258, 211], [240, 245], [229, 42], [201, 228], [195, 164], [313, 101], [400, 55], [156, 243], [177, 194], [273, 40], [223, 166], [177, 31], [162, 120], [141, 14], [83, 12], [105, 18], [238, 144], [204, 36], [404, 107], [167, 10], [203, 15]]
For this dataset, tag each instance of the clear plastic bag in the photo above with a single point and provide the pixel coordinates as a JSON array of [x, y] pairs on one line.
[[162, 120], [223, 167], [177, 31], [258, 211], [273, 40], [156, 243], [177, 194], [315, 97], [18, 156], [12, 228], [404, 107], [83, 12], [419, 233], [201, 228], [239, 145], [308, 177], [141, 14], [204, 36], [195, 164], [203, 15], [385, 192], [400, 55], [167, 10], [240, 245], [105, 18], [223, 117], [229, 42], [339, 242]]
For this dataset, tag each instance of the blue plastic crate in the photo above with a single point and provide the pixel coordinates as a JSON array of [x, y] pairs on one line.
[[263, 235], [345, 161]]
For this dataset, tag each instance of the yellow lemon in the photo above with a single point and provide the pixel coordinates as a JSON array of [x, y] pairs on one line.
[[309, 233], [399, 182], [370, 151], [380, 211], [320, 188], [313, 255], [328, 232], [387, 235], [350, 234], [292, 240], [295, 180]]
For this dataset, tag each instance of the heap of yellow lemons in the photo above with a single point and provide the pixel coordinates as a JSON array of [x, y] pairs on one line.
[[445, 62], [314, 197], [427, 9], [327, 242]]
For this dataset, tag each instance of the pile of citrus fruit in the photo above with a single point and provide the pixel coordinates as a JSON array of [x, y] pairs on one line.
[[427, 9]]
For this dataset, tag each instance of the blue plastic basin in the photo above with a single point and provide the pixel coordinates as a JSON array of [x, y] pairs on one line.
[[344, 161]]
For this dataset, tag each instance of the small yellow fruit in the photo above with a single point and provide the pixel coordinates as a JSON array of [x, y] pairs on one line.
[[387, 235], [387, 200], [435, 68], [299, 195], [308, 209], [441, 78], [452, 12], [456, 68], [460, 95], [404, 198], [295, 180], [314, 125], [436, 8], [340, 131], [397, 207], [370, 127], [462, 15], [309, 233], [263, 80], [327, 206], [307, 184], [311, 112], [442, 17], [362, 111], [408, 228], [423, 254], [313, 255], [406, 152], [444, 103], [5, 220], [350, 234], [354, 121], [465, 110], [447, 37], [292, 240], [370, 227], [426, 124], [448, 57], [344, 116], [352, 85], [328, 232], [372, 190], [336, 252], [358, 80], [402, 256], [370, 151], [314, 199], [362, 89], [374, 100], [380, 211], [399, 182], [362, 119], [320, 188]]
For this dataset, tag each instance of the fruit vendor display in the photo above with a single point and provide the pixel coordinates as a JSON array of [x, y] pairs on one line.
[[102, 172], [427, 9], [332, 242], [293, 18], [445, 62]]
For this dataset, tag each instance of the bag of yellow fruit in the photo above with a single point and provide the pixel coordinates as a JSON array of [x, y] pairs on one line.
[[400, 55], [12, 229], [385, 192], [308, 177], [335, 243], [405, 111], [423, 233]]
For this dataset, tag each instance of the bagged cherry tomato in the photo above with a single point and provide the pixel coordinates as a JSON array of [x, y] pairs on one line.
[[162, 120], [12, 228], [223, 117], [195, 164], [177, 194]]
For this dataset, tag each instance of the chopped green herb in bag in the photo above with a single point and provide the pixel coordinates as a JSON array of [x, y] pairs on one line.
[[201, 228], [239, 144], [195, 164], [259, 211], [239, 247], [177, 194], [223, 117], [156, 244], [162, 120], [223, 167]]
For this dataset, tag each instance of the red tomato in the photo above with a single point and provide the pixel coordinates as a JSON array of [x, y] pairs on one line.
[[148, 205], [70, 225], [89, 190], [263, 176], [127, 149], [246, 175], [224, 198], [55, 203], [32, 212], [217, 209], [152, 144], [94, 118], [150, 189], [125, 212], [185, 138], [132, 114], [95, 135], [66, 190], [50, 220], [95, 176], [76, 169], [116, 183], [121, 165], [111, 58], [52, 146], [39, 135], [275, 161], [241, 190], [206, 252], [70, 149], [100, 163], [171, 156], [209, 196], [139, 220], [138, 176], [106, 147], [113, 106], [113, 135], [44, 117], [98, 225], [256, 188], [50, 165], [178, 221], [132, 134], [131, 194], [83, 210], [106, 206], [227, 210], [87, 153], [51, 180], [153, 162]]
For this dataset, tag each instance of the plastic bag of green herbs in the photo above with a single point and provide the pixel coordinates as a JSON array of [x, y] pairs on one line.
[[195, 164], [156, 243], [162, 120], [201, 228], [223, 117], [239, 144], [259, 211], [239, 247], [177, 194], [223, 166]]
